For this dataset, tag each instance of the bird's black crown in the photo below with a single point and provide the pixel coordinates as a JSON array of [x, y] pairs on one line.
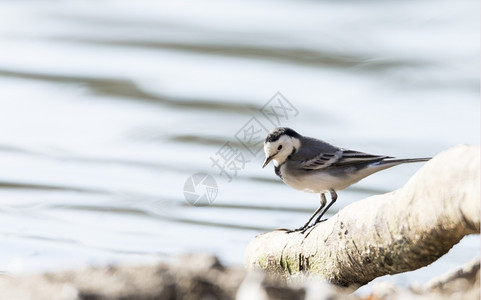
[[275, 134]]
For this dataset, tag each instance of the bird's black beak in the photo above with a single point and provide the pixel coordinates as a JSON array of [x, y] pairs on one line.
[[268, 160]]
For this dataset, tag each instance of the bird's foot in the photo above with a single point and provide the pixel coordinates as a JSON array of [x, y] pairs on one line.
[[313, 225], [300, 229], [305, 227]]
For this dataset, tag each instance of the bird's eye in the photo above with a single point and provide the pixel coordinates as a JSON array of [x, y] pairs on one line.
[[280, 147]]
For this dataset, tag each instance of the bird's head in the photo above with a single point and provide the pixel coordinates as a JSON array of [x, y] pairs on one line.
[[279, 144]]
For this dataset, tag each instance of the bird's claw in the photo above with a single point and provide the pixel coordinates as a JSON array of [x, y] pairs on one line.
[[304, 228], [301, 229]]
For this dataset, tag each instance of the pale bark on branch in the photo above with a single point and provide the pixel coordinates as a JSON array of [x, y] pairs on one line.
[[384, 234]]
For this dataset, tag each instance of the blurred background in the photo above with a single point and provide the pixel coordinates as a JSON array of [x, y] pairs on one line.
[[108, 107]]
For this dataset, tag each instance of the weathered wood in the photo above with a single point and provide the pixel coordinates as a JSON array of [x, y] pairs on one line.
[[385, 234]]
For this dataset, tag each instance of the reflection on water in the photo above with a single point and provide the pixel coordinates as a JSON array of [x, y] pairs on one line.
[[107, 109]]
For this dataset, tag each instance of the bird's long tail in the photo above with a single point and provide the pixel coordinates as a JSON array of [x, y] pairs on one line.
[[388, 163], [391, 162], [405, 160]]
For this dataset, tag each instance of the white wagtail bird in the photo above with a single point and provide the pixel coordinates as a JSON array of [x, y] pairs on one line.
[[314, 166]]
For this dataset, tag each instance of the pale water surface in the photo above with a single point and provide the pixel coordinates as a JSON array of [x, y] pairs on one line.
[[107, 108]]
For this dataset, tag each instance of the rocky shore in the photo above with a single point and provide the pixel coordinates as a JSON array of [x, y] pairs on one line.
[[203, 277]]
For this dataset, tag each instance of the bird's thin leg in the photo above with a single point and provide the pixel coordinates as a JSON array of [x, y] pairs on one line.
[[333, 199], [323, 203]]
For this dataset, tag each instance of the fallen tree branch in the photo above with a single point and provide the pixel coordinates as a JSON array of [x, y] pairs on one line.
[[385, 234]]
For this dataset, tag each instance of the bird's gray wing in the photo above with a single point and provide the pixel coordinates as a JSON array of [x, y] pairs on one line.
[[320, 161], [338, 159]]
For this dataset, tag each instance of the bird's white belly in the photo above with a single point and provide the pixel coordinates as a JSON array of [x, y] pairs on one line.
[[318, 182]]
